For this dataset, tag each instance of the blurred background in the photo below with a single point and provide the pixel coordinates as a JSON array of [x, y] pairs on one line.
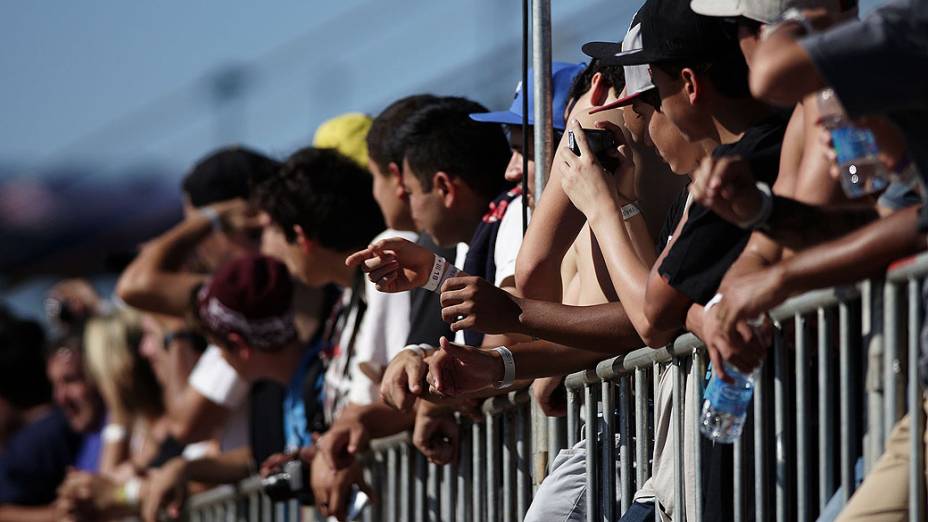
[[106, 103]]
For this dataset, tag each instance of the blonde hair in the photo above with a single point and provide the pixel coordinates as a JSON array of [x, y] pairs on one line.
[[113, 362]]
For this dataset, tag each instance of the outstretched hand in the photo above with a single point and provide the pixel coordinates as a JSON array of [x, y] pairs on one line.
[[471, 302], [458, 369], [394, 264]]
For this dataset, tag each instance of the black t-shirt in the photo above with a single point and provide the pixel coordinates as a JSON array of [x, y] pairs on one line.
[[425, 323], [266, 422], [36, 459], [708, 245], [672, 219]]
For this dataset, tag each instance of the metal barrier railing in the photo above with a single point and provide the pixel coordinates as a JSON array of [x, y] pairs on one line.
[[842, 371]]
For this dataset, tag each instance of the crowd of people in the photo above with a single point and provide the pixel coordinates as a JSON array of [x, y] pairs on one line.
[[382, 280]]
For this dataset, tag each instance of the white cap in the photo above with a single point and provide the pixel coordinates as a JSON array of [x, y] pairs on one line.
[[637, 77], [764, 11]]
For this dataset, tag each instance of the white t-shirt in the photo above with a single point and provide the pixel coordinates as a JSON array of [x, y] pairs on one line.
[[382, 334], [508, 241], [214, 378]]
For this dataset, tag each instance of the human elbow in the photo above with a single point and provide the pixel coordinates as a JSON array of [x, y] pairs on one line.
[[133, 286], [768, 76], [531, 272], [654, 337]]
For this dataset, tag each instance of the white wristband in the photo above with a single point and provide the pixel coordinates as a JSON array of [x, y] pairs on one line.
[[766, 208], [716, 299], [630, 210], [213, 217], [131, 490], [420, 349], [509, 367], [113, 433], [438, 270]]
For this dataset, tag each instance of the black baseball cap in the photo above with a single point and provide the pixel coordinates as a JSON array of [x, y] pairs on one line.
[[671, 32]]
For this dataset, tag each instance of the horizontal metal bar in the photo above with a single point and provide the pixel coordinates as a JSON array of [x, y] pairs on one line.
[[388, 443], [503, 403]]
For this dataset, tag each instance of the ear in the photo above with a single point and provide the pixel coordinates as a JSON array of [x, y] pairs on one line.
[[238, 345], [305, 244], [599, 91], [395, 173], [691, 85], [444, 185]]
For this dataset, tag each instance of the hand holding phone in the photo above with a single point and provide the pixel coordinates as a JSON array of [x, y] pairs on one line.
[[601, 142]]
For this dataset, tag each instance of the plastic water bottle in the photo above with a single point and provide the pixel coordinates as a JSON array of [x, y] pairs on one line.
[[726, 405], [862, 172]]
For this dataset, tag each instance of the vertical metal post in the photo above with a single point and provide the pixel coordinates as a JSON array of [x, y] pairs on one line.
[[392, 474], [405, 492], [508, 467], [872, 323], [697, 371], [847, 411], [627, 490], [760, 449], [738, 479], [679, 508], [590, 404], [433, 493], [802, 412], [783, 434], [541, 69], [573, 417], [891, 337], [642, 422], [492, 480], [608, 451], [523, 451], [826, 432], [421, 491], [447, 492], [916, 409], [544, 152], [478, 467], [465, 475]]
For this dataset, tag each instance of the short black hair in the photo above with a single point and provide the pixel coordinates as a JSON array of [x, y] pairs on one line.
[[383, 147], [614, 75], [227, 173], [443, 137], [728, 71], [327, 194], [23, 381]]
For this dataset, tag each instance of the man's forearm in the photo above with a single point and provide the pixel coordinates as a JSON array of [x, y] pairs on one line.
[[11, 513], [230, 466], [539, 359], [863, 253], [798, 226], [601, 328], [379, 419]]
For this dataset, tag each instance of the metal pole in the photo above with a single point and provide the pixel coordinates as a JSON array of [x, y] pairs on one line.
[[642, 422], [679, 492], [544, 147], [802, 411], [541, 64], [590, 403], [826, 432], [916, 410], [608, 450]]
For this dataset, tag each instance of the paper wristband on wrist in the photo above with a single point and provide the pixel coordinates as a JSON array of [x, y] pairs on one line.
[[129, 493], [630, 210], [509, 367], [113, 433], [716, 299], [213, 217], [438, 270], [766, 208]]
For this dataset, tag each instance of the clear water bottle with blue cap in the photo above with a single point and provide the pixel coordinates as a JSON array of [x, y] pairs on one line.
[[861, 170], [725, 407]]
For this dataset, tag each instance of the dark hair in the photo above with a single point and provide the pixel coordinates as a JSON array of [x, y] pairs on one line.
[[383, 147], [325, 193], [728, 73], [227, 173], [614, 75], [23, 381], [442, 137]]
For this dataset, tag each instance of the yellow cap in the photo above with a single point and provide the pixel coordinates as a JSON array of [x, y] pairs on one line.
[[347, 133]]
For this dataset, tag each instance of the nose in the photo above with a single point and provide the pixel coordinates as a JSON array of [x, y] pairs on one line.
[[514, 169]]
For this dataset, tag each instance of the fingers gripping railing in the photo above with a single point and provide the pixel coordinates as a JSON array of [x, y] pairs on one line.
[[841, 373]]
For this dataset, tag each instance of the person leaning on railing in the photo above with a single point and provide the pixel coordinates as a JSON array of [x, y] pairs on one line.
[[838, 246]]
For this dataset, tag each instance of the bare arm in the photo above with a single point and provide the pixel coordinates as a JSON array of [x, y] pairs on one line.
[[798, 226], [782, 72], [599, 328], [194, 417], [11, 513]]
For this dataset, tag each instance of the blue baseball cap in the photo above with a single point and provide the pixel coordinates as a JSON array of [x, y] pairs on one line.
[[562, 78]]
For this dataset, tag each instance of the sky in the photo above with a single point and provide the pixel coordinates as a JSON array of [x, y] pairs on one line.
[[111, 83]]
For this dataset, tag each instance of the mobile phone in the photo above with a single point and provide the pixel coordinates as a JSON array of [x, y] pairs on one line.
[[600, 142]]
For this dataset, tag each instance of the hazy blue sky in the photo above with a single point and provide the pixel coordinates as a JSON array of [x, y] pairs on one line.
[[116, 82]]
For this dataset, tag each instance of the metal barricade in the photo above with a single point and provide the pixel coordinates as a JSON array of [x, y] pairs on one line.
[[841, 373]]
